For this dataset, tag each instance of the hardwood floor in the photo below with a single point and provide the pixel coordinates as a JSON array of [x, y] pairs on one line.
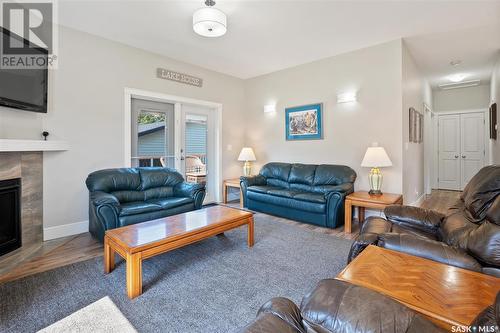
[[60, 252]]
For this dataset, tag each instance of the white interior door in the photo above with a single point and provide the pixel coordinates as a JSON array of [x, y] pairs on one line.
[[472, 145], [197, 148], [449, 176]]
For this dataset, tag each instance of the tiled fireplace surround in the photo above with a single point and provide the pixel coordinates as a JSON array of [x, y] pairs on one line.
[[29, 167]]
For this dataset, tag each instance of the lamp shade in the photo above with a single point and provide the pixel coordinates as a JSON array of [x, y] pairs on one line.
[[246, 154], [376, 157]]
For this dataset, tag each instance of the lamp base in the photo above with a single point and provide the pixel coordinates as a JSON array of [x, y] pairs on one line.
[[375, 192], [375, 178], [247, 169]]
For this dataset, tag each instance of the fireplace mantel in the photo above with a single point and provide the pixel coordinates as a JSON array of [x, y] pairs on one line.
[[12, 145]]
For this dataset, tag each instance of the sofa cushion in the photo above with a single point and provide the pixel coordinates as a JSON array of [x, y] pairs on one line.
[[128, 196], [455, 229], [399, 229], [333, 175], [138, 207], [287, 202], [112, 180], [263, 188], [277, 183], [283, 193], [482, 190], [484, 243], [158, 192], [302, 174], [311, 197], [159, 177], [167, 203], [276, 170], [493, 213]]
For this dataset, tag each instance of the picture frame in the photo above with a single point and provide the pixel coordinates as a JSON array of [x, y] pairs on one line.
[[493, 121], [304, 122], [416, 126]]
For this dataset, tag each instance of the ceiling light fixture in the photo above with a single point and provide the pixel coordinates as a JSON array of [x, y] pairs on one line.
[[457, 77], [456, 62], [209, 21], [463, 84]]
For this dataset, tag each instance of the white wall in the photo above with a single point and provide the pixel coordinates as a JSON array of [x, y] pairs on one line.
[[416, 92], [470, 98], [348, 128], [495, 98], [87, 109]]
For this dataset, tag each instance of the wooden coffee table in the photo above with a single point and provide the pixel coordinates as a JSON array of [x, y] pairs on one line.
[[141, 241], [445, 294]]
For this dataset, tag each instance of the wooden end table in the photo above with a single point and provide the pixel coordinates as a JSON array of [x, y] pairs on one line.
[[362, 200], [141, 241], [231, 183], [447, 295]]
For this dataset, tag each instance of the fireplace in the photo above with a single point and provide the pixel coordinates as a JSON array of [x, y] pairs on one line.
[[10, 215]]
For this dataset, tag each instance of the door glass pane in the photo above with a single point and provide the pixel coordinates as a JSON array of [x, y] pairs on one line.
[[152, 142], [196, 148]]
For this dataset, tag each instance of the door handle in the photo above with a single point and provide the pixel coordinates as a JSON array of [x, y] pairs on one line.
[[456, 156], [463, 156]]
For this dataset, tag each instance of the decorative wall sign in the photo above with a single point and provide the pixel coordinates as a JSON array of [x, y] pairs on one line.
[[167, 74], [416, 126], [304, 122]]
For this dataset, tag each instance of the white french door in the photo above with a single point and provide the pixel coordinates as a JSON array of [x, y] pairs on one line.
[[461, 148], [176, 135]]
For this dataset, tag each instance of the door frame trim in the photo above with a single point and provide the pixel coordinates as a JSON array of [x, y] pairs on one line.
[[435, 143], [130, 93]]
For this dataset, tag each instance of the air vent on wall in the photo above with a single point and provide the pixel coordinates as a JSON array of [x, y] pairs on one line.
[[463, 84]]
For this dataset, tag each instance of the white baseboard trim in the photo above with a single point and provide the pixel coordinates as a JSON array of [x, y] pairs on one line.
[[65, 230], [418, 202]]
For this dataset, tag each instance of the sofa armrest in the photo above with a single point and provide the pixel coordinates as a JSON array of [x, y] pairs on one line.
[[252, 180], [99, 198], [277, 315], [196, 191], [104, 210], [368, 235], [414, 217], [429, 249]]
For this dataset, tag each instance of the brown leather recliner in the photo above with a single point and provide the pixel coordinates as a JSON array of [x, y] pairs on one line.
[[468, 236], [337, 306]]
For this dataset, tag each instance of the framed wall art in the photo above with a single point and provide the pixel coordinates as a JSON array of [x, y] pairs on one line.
[[304, 122]]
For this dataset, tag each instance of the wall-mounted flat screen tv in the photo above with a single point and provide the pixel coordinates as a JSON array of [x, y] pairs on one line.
[[21, 88]]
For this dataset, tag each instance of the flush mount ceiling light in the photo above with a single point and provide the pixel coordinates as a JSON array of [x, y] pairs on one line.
[[209, 21], [457, 77]]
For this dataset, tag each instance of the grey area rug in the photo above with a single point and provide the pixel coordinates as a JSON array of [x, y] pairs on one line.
[[216, 285]]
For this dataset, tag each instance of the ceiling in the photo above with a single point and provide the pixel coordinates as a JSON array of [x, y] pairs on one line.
[[266, 36]]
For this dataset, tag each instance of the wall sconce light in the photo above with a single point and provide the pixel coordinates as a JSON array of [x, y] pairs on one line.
[[346, 97], [269, 108]]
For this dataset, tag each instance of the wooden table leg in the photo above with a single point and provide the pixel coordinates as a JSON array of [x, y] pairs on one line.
[[361, 215], [241, 198], [224, 193], [134, 275], [348, 216], [109, 257], [250, 231]]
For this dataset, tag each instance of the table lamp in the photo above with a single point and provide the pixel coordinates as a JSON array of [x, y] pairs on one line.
[[375, 158], [247, 155]]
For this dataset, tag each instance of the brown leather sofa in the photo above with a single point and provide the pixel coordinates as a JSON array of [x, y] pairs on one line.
[[468, 236], [337, 306]]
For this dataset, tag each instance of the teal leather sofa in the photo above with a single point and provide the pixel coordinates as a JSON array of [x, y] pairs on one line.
[[304, 192], [120, 197]]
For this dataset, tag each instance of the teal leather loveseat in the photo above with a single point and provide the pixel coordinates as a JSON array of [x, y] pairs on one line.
[[304, 192], [120, 197]]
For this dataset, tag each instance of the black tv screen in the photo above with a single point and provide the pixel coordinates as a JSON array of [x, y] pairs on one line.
[[21, 88]]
